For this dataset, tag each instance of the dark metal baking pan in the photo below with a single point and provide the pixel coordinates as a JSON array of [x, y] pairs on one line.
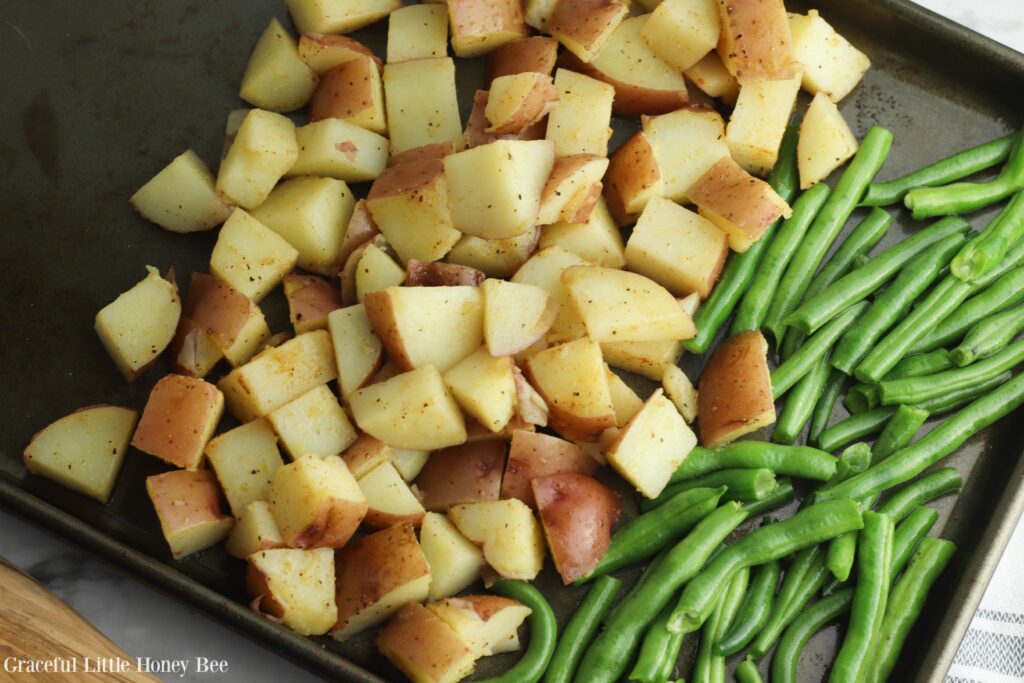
[[99, 94]]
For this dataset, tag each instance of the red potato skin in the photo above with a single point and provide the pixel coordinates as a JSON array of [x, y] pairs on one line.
[[217, 308], [542, 98], [631, 99], [365, 453], [262, 599], [532, 455], [436, 150], [734, 396], [476, 125], [742, 199], [587, 22], [756, 44], [183, 349], [361, 229], [344, 91], [184, 498], [176, 415], [439, 274], [310, 299], [632, 170], [469, 473], [536, 53], [333, 526], [417, 638], [577, 513], [310, 41]]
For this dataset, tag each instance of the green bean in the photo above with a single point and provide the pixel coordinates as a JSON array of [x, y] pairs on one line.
[[710, 666], [812, 525], [918, 389], [942, 172], [988, 336], [754, 307], [746, 672], [957, 399], [754, 612], [928, 487], [792, 340], [908, 534], [826, 404], [855, 427], [804, 588], [862, 240], [658, 651], [826, 227], [800, 403], [610, 654], [895, 302], [809, 622], [983, 253], [794, 461], [817, 346], [581, 629], [905, 603], [648, 533], [853, 460], [843, 548], [543, 633], [899, 431], [945, 438], [840, 555], [863, 397], [740, 484], [869, 598], [741, 268], [782, 494]]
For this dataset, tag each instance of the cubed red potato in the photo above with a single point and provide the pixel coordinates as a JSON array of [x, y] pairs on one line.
[[423, 647], [536, 53], [734, 396], [179, 418], [440, 274], [311, 299], [188, 504], [532, 455], [462, 474]]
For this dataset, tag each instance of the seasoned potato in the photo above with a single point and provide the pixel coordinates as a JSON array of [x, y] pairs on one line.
[[180, 416], [263, 150], [250, 339], [84, 450], [597, 240], [245, 460], [571, 379], [531, 408], [295, 586], [276, 78], [515, 315], [417, 32], [624, 400], [251, 257], [572, 189], [359, 231], [352, 92], [454, 561], [218, 309], [826, 141], [519, 100], [477, 125], [335, 148], [424, 648], [338, 16], [255, 530], [182, 197], [422, 106], [756, 44], [484, 387], [188, 505], [584, 27], [322, 52], [509, 534], [544, 270], [580, 124], [489, 623], [536, 54], [577, 513], [311, 299], [682, 32], [735, 393], [714, 80], [377, 271], [831, 65], [479, 26], [633, 178], [313, 424], [759, 121], [495, 258], [682, 392], [438, 274], [316, 502], [686, 144], [408, 462], [648, 359], [365, 454], [435, 150], [390, 499], [192, 351], [469, 473], [357, 350], [532, 455]]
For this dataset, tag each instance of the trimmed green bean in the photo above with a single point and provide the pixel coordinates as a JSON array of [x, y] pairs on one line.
[[863, 397], [826, 404], [543, 633], [800, 403], [908, 534], [853, 460], [740, 484], [581, 629], [746, 672], [792, 340], [658, 651], [942, 172], [794, 461], [741, 268], [782, 494], [928, 487], [983, 253], [815, 349], [804, 587], [905, 603], [855, 427], [754, 307], [895, 302], [809, 622], [958, 399], [988, 336], [710, 666], [826, 227], [899, 431], [754, 612], [648, 533], [862, 240]]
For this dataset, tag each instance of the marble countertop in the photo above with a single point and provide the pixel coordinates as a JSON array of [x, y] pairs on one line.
[[145, 622]]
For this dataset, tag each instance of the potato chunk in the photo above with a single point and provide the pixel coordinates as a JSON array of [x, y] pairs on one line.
[[251, 257], [826, 141], [357, 350], [417, 32], [254, 531], [182, 197], [495, 258], [831, 65], [180, 416], [532, 455], [485, 388], [681, 391], [597, 240], [189, 508], [577, 513], [336, 148], [84, 450], [759, 121], [572, 190], [648, 359], [572, 381], [517, 101], [633, 178], [479, 26], [711, 76], [584, 27], [311, 299], [263, 150], [510, 535], [296, 586], [245, 460], [454, 561], [422, 105], [536, 54], [489, 623], [323, 52], [390, 499], [276, 78], [735, 393], [354, 93], [313, 424], [682, 32], [515, 315], [467, 473], [544, 270], [377, 271], [756, 44], [580, 123], [443, 657], [316, 502], [686, 143], [338, 16]]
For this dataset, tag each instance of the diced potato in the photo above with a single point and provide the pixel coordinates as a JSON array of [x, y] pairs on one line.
[[439, 274], [538, 12], [139, 324], [572, 381], [254, 531], [759, 121], [295, 586], [323, 52], [531, 407], [596, 241], [580, 123], [477, 125], [365, 454], [756, 44], [532, 455], [536, 54], [409, 203], [264, 150], [479, 26], [420, 645], [485, 387], [633, 178], [245, 460], [652, 446], [189, 508], [509, 534], [515, 315], [354, 93], [182, 197], [412, 410], [180, 416], [359, 231], [316, 502], [677, 248], [681, 391], [741, 206], [735, 393], [648, 359], [831, 65], [690, 304], [408, 462], [826, 141], [422, 105], [577, 513], [390, 499], [250, 339], [312, 214], [357, 350], [711, 76], [251, 257], [276, 78], [192, 351], [338, 16], [517, 101], [572, 189], [489, 623], [584, 27], [417, 32], [377, 271], [279, 375], [544, 270], [234, 122], [624, 400], [682, 32], [313, 424], [507, 204], [338, 149], [467, 473], [495, 258], [84, 450], [454, 561], [311, 299], [686, 144], [220, 310]]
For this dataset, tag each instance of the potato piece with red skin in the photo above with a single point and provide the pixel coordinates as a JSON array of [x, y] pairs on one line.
[[295, 587], [180, 416], [423, 647], [322, 52], [439, 274], [476, 125], [469, 473], [360, 230], [572, 189], [756, 44], [351, 92], [365, 454], [435, 150], [536, 53], [316, 502], [490, 623], [632, 179], [571, 379], [533, 455], [311, 299], [734, 396], [577, 513], [519, 100], [479, 26], [584, 26], [390, 499], [188, 504], [192, 351]]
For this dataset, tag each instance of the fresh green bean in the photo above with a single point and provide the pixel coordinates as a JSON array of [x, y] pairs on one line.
[[942, 172], [905, 603], [740, 484], [581, 629], [988, 336], [826, 227], [804, 587], [855, 287], [782, 494], [754, 612], [800, 403], [955, 400], [754, 307], [840, 555], [853, 460], [648, 533], [863, 397], [746, 672], [862, 240], [809, 622], [710, 666], [826, 404], [855, 427], [815, 349], [928, 487], [913, 390], [610, 654], [869, 598], [908, 534], [741, 268], [658, 651], [543, 633], [794, 461], [843, 548], [899, 431], [895, 302], [814, 524], [982, 254]]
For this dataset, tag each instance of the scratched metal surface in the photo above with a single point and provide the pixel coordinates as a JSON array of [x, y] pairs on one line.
[[99, 95]]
